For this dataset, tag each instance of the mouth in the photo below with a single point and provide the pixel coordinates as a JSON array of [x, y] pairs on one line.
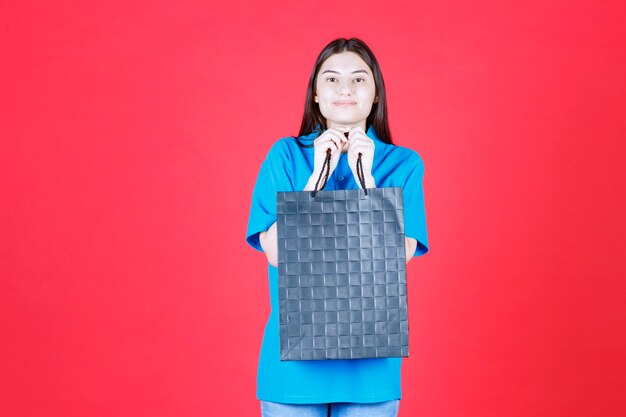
[[344, 103]]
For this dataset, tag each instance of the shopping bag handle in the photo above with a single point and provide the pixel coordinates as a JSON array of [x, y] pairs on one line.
[[326, 172], [359, 172]]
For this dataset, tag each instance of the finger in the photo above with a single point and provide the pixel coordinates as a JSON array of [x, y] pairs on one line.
[[366, 144], [365, 155], [361, 139], [336, 132], [330, 133], [356, 141], [341, 140], [357, 131], [341, 135], [338, 135], [341, 131], [360, 147], [327, 141]]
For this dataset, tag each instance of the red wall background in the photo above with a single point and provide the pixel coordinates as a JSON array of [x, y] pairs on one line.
[[132, 134]]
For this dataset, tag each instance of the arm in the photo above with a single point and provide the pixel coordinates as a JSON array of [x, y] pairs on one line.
[[330, 139], [363, 144], [410, 244], [269, 238], [269, 243]]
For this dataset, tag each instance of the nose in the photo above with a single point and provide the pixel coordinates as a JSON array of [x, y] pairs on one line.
[[344, 88]]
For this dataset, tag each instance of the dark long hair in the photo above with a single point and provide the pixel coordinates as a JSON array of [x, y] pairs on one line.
[[312, 118]]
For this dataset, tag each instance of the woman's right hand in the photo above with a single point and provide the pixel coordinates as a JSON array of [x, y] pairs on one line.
[[332, 139]]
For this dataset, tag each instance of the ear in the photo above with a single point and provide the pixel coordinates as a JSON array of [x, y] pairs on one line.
[[317, 100], [376, 99]]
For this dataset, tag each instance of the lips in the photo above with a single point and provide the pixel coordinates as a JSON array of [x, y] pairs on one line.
[[344, 103]]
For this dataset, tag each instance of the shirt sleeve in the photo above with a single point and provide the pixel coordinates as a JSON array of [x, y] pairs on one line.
[[274, 175], [414, 210]]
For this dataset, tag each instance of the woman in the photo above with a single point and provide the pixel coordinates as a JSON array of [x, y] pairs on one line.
[[346, 112]]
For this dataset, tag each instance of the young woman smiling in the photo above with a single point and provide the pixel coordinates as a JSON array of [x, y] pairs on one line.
[[346, 112]]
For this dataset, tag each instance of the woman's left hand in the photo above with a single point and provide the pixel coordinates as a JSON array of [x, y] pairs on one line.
[[359, 142]]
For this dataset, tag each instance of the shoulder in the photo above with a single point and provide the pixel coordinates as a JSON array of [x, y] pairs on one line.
[[407, 157], [282, 149]]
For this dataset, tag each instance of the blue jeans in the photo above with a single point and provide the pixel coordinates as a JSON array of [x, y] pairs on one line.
[[384, 409]]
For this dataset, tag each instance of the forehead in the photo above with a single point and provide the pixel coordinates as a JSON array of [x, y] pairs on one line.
[[344, 62]]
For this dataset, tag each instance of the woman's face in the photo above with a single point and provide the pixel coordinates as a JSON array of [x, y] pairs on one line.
[[345, 91]]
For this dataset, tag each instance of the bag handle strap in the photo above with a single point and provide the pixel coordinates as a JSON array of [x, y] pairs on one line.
[[325, 172], [325, 165], [359, 172]]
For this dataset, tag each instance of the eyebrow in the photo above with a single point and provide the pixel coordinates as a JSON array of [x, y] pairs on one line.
[[353, 72]]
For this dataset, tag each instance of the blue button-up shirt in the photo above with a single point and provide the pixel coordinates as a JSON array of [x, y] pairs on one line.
[[288, 167]]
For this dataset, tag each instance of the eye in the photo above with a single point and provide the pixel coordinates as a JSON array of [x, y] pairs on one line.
[[330, 78], [360, 78]]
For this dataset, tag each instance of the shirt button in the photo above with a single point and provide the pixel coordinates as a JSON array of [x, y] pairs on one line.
[[340, 178]]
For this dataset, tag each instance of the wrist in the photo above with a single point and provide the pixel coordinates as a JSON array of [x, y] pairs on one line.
[[310, 185], [370, 182]]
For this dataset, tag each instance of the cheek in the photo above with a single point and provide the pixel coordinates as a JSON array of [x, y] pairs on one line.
[[325, 94], [367, 95], [323, 88], [367, 103]]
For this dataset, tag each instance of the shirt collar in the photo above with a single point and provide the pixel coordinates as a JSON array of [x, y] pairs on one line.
[[372, 134]]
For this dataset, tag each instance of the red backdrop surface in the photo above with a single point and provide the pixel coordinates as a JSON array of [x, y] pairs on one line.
[[132, 134]]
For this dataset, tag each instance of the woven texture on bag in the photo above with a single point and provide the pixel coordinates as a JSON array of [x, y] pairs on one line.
[[342, 274]]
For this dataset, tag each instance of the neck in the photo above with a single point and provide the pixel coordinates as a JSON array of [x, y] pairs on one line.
[[344, 127]]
